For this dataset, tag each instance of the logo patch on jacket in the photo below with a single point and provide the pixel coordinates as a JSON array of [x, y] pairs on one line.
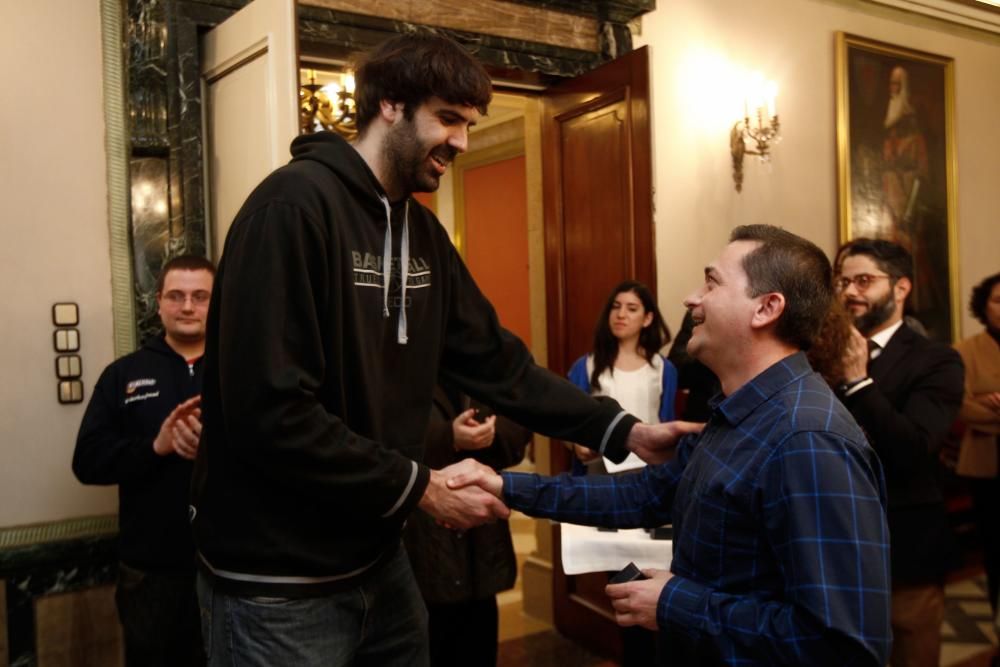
[[368, 271], [133, 385]]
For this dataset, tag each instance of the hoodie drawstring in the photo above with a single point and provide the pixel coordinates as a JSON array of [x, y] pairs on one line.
[[386, 256], [404, 260]]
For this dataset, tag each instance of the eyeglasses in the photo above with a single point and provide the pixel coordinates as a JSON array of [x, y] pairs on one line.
[[178, 298], [863, 281]]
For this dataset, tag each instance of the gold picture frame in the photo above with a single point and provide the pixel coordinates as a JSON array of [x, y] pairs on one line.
[[896, 165]]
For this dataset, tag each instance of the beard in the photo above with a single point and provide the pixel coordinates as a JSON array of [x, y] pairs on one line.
[[878, 313], [899, 106], [407, 158]]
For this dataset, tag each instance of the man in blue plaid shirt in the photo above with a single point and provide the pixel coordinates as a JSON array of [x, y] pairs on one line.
[[781, 552]]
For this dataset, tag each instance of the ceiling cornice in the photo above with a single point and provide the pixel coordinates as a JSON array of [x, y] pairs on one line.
[[980, 15]]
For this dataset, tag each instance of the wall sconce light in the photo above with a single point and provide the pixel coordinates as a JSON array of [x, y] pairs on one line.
[[328, 106], [757, 132]]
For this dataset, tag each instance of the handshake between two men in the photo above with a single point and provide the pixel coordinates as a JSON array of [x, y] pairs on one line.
[[468, 493]]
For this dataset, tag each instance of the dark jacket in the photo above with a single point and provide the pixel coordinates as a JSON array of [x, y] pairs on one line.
[[321, 357], [115, 446], [453, 566], [906, 413]]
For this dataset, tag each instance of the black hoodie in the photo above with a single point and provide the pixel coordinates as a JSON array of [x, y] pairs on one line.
[[115, 446], [319, 377]]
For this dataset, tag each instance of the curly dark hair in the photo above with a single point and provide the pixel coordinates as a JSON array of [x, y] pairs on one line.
[[651, 338], [410, 69], [826, 355], [980, 295]]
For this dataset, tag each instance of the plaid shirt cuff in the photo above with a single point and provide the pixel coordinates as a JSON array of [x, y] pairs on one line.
[[519, 489], [682, 605]]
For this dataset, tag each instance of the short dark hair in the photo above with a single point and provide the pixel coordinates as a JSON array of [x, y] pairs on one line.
[[797, 269], [980, 295], [409, 69], [890, 257], [184, 263]]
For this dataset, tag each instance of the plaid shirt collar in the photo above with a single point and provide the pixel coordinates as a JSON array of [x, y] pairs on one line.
[[736, 407]]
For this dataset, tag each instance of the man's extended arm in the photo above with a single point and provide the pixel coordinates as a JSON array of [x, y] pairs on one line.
[[643, 498], [822, 504], [493, 366]]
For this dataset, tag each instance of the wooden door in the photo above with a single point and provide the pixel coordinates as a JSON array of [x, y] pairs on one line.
[[250, 91], [598, 231]]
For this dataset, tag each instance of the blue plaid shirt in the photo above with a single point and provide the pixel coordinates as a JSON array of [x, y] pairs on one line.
[[781, 553]]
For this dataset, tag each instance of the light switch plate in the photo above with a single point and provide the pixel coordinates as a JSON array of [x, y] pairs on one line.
[[68, 366], [65, 314], [66, 340], [70, 391]]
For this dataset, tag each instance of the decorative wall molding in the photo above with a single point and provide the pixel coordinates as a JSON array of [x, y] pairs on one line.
[[492, 17], [971, 14], [116, 149], [57, 531]]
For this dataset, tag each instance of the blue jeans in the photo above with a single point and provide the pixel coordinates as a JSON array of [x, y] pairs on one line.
[[382, 622]]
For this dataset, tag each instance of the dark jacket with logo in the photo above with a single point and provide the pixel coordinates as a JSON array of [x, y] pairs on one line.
[[332, 313], [115, 446]]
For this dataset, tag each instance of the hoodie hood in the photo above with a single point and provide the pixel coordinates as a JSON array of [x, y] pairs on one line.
[[336, 154], [332, 151]]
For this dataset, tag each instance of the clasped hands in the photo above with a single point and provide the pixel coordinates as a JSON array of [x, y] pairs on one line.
[[468, 493], [634, 602], [181, 431]]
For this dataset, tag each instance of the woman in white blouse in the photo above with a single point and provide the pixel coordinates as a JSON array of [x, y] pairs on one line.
[[626, 363]]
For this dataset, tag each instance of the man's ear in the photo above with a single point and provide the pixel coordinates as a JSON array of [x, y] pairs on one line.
[[390, 110], [902, 289], [768, 310]]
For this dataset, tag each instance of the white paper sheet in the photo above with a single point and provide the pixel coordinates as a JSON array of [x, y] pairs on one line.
[[586, 549], [631, 462]]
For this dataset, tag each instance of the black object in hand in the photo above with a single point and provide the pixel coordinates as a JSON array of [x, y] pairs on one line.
[[630, 573], [662, 533], [480, 415]]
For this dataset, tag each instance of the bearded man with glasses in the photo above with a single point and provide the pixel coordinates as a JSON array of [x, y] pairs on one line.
[[141, 432], [904, 390]]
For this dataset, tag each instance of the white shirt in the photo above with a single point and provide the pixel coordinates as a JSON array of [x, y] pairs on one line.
[[882, 338], [638, 392]]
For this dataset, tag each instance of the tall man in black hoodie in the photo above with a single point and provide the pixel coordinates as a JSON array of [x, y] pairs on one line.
[[140, 431], [339, 301]]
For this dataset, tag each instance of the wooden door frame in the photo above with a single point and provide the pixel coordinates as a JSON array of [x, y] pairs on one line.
[[575, 97], [574, 615]]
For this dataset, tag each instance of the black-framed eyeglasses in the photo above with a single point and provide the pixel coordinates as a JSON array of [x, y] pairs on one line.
[[863, 281]]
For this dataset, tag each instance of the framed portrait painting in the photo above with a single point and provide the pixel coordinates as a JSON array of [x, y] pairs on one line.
[[896, 165]]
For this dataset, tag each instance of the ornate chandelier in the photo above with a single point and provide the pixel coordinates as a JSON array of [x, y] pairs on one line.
[[328, 106]]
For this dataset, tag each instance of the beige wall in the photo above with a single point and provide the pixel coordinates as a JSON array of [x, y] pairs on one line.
[[696, 44], [53, 204], [53, 189]]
